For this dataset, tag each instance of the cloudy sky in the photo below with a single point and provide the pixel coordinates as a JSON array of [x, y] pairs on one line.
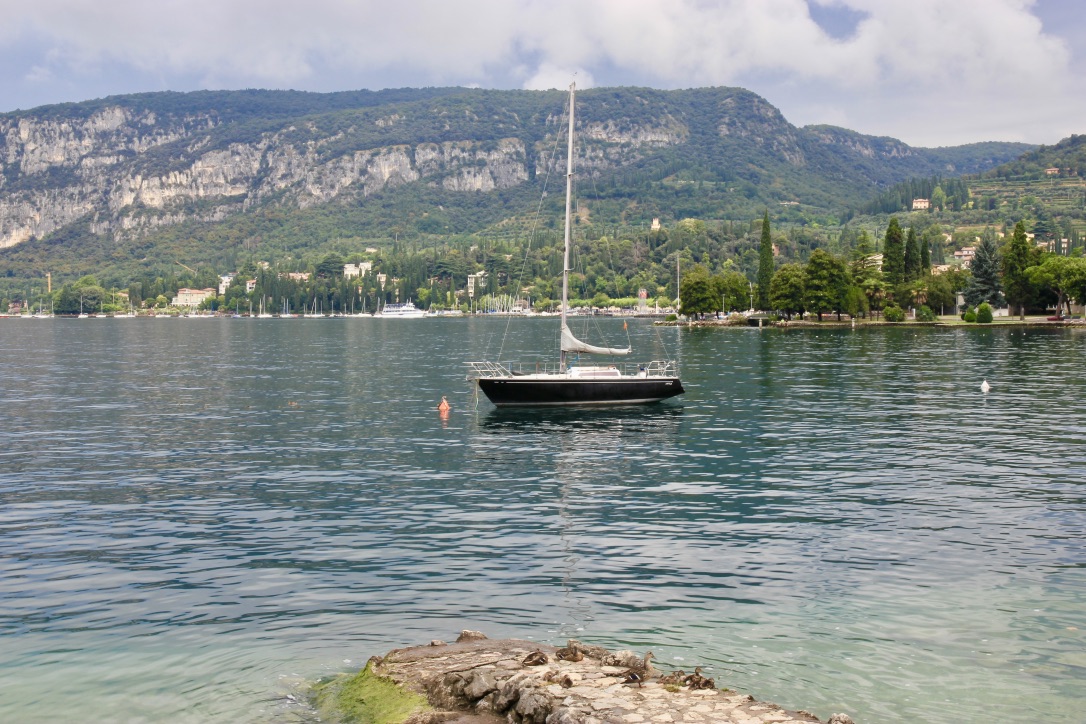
[[930, 72]]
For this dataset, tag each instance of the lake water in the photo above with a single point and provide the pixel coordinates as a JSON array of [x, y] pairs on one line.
[[199, 516]]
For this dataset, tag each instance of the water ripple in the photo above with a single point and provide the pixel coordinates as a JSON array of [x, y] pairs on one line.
[[198, 517]]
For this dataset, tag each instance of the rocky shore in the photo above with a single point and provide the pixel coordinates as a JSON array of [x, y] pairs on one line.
[[481, 681]]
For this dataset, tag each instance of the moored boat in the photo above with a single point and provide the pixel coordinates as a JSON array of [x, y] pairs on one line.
[[575, 384]]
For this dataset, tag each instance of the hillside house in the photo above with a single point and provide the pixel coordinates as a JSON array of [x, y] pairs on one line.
[[1056, 246], [192, 297], [965, 256], [921, 204], [475, 281], [350, 271]]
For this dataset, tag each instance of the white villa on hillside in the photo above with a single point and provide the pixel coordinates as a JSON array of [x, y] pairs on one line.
[[191, 297], [351, 271]]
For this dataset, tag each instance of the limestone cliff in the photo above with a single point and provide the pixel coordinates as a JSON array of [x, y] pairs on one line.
[[55, 171], [128, 165], [101, 175]]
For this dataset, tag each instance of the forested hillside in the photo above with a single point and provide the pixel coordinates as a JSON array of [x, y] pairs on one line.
[[143, 186]]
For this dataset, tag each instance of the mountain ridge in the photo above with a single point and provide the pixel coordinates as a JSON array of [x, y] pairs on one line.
[[127, 169]]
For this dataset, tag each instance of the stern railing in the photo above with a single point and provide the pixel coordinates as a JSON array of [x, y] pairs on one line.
[[498, 370]]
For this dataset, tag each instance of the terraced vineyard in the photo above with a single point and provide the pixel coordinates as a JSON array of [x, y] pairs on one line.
[[1061, 197]]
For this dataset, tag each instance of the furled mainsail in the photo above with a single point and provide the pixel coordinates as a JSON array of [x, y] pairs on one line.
[[572, 344]]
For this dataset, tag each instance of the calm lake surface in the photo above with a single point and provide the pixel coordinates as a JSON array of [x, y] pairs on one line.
[[199, 516]]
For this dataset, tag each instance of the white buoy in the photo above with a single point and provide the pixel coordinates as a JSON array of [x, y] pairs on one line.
[[984, 386]]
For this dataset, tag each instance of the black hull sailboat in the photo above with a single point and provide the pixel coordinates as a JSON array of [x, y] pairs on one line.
[[570, 385], [557, 390]]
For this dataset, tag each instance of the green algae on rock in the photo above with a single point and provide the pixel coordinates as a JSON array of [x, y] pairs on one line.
[[367, 698]]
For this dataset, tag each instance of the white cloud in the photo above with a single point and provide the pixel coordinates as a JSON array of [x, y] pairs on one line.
[[923, 70], [548, 77]]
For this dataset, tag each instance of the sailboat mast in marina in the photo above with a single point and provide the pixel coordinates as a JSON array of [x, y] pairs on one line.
[[576, 384]]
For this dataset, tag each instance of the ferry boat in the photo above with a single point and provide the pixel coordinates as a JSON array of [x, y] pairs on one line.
[[402, 310]]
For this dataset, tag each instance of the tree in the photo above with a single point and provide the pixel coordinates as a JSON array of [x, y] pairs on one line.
[[66, 300], [85, 281], [918, 291], [1016, 259], [788, 290], [912, 256], [765, 264], [856, 303], [958, 279], [1064, 275], [135, 294], [866, 278], [1044, 228], [863, 265], [940, 293], [697, 295], [933, 243], [827, 283], [83, 296], [893, 255], [733, 289], [331, 266], [938, 198], [985, 286]]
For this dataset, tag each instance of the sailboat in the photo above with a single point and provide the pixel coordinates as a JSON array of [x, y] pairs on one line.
[[576, 384], [263, 314]]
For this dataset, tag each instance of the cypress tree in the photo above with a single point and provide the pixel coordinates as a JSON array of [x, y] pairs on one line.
[[925, 255], [912, 256], [893, 255], [765, 264]]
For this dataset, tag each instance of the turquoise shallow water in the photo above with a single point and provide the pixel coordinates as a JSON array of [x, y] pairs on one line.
[[198, 515]]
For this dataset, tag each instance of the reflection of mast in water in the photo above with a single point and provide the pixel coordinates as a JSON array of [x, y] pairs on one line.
[[588, 452], [577, 605]]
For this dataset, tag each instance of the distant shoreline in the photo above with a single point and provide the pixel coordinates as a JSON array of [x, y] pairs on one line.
[[946, 321]]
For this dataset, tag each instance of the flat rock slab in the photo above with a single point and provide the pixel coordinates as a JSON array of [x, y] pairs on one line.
[[480, 681]]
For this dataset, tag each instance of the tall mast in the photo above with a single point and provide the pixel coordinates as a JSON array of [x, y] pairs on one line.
[[678, 283], [569, 194]]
